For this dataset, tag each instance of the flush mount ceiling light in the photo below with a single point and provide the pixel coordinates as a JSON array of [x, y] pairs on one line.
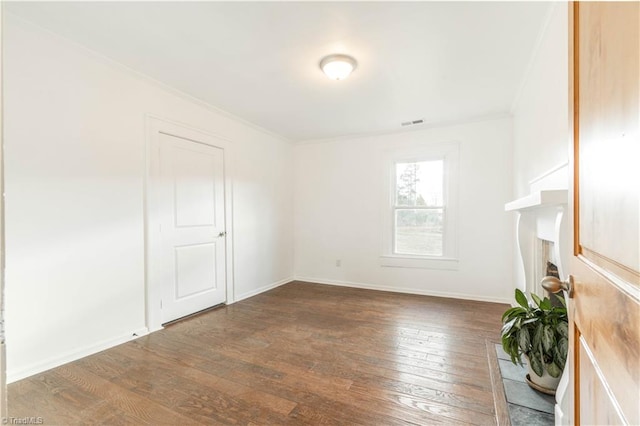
[[338, 67]]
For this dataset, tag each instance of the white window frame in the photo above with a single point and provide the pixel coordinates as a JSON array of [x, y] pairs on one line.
[[448, 152]]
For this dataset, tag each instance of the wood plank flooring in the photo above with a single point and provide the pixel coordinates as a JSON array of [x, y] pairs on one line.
[[299, 354]]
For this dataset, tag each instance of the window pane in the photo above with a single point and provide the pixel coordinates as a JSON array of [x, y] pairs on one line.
[[419, 232], [420, 183]]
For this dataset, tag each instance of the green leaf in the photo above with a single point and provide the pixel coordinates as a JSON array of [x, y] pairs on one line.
[[537, 335], [514, 353], [521, 299], [515, 359], [545, 305], [563, 329], [548, 338], [508, 326], [512, 313], [560, 311], [506, 343], [536, 364], [524, 340], [558, 356], [562, 348], [535, 298], [510, 346], [553, 370]]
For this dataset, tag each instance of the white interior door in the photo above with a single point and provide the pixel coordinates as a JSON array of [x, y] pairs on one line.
[[192, 226]]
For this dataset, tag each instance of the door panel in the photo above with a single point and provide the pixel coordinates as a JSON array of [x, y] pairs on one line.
[[606, 326], [195, 197], [195, 271], [605, 311], [192, 218], [593, 387], [609, 130]]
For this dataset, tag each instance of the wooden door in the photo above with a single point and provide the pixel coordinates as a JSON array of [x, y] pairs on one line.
[[605, 309], [192, 226]]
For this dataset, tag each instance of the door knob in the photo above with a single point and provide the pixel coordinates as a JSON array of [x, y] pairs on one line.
[[554, 285], [222, 234]]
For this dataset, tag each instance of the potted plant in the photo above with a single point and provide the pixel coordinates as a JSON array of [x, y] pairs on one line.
[[540, 332]]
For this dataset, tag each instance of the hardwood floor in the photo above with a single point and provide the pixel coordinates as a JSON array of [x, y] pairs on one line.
[[299, 354]]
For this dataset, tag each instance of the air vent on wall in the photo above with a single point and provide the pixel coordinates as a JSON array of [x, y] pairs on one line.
[[411, 123]]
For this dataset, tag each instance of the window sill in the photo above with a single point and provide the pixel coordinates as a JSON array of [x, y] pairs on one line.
[[419, 262]]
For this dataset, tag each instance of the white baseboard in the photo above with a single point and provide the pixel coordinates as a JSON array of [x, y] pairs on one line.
[[39, 367], [407, 290], [262, 289]]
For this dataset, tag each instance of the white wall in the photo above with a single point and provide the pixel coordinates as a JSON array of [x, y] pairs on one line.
[[75, 164], [540, 115], [540, 118], [339, 193]]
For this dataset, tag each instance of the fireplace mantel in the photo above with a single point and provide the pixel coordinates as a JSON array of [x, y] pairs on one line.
[[541, 215], [539, 199]]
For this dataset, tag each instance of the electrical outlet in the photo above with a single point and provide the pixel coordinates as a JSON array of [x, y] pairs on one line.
[[338, 263]]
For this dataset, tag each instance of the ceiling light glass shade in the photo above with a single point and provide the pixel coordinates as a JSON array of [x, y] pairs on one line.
[[338, 67]]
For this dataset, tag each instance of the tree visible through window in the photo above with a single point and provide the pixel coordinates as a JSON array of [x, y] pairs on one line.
[[419, 210]]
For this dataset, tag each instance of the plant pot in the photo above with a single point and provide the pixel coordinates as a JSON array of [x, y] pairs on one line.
[[545, 383]]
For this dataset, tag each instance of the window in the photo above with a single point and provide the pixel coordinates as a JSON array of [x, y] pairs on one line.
[[421, 208]]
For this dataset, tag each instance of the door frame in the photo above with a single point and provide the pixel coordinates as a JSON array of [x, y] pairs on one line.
[[155, 126]]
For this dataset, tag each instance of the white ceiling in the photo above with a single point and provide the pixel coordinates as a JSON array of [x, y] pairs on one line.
[[436, 61]]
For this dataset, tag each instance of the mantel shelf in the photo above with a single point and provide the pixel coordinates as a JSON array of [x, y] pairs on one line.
[[539, 199]]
